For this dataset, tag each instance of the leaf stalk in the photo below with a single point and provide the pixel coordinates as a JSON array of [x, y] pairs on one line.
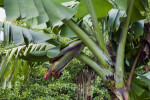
[[119, 76], [98, 31]]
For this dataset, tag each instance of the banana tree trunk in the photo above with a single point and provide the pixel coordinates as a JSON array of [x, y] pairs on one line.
[[122, 93]]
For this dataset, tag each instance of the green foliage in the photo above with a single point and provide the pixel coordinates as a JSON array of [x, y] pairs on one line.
[[21, 35], [120, 22], [40, 10], [101, 8], [37, 88]]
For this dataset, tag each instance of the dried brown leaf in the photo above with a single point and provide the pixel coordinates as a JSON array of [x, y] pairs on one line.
[[147, 68]]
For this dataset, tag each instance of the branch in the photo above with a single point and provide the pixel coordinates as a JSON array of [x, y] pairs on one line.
[[121, 49], [97, 28], [133, 68], [103, 59], [102, 72]]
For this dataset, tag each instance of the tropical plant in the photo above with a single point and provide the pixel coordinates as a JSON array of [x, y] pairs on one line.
[[86, 23]]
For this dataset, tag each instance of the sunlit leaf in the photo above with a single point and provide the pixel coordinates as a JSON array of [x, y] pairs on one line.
[[136, 15], [67, 32], [101, 8]]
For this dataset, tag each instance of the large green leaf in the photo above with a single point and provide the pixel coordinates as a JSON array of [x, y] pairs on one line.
[[30, 9], [146, 81], [17, 35], [37, 38], [139, 5], [138, 28], [12, 9], [67, 32], [137, 89], [67, 12], [136, 15], [53, 52], [22, 8], [44, 10], [101, 8], [43, 17], [145, 3], [21, 35], [56, 12], [122, 4]]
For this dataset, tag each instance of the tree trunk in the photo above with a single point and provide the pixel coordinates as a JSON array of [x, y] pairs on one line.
[[122, 93]]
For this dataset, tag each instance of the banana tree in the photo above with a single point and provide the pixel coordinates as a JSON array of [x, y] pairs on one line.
[[87, 23]]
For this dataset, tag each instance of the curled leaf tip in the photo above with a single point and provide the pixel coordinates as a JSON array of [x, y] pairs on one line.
[[47, 74]]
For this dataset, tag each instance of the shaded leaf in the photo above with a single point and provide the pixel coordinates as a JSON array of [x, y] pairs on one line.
[[145, 3], [138, 28], [139, 5], [137, 89], [136, 15], [146, 80]]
